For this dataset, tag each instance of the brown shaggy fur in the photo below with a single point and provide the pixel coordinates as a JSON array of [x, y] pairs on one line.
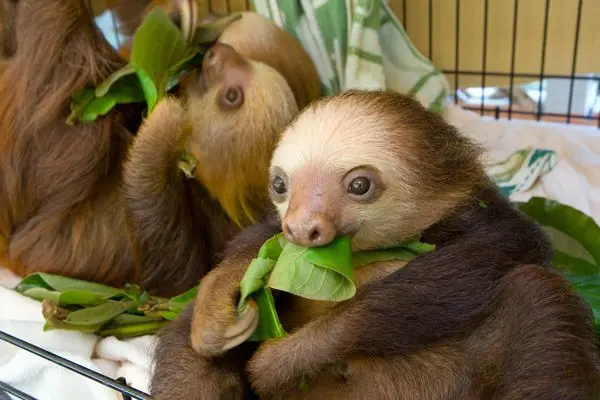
[[481, 317], [8, 16], [61, 206]]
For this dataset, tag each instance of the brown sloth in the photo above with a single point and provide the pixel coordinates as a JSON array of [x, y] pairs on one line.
[[481, 317]]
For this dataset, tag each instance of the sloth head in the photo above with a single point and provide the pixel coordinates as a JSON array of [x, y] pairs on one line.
[[373, 165]]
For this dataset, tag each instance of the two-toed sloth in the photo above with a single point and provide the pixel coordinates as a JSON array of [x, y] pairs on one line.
[[481, 317]]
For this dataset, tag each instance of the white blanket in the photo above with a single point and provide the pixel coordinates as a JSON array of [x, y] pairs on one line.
[[575, 180], [22, 317]]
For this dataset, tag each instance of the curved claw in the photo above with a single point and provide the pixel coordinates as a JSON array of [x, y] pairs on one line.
[[244, 327]]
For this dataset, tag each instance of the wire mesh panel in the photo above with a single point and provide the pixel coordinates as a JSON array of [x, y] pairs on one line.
[[533, 59]]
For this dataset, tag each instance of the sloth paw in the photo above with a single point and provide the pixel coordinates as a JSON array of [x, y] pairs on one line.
[[187, 164], [216, 325]]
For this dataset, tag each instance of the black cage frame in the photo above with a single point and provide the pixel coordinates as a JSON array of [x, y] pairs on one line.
[[484, 73]]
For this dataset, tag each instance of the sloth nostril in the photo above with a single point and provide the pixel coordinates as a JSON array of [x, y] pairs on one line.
[[315, 235]]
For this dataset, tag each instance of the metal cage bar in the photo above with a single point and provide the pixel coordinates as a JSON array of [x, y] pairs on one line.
[[118, 385], [543, 60], [514, 75], [574, 65], [513, 59]]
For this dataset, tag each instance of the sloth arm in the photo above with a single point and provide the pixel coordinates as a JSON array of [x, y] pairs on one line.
[[173, 225]]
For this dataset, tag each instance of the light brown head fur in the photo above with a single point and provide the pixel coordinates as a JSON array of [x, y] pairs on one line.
[[267, 44], [232, 114], [418, 168], [269, 90]]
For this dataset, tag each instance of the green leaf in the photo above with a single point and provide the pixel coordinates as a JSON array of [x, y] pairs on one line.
[[185, 298], [158, 48], [417, 247], [64, 284], [575, 240], [273, 247], [567, 220], [89, 105], [105, 86], [159, 57], [80, 298], [98, 315], [80, 100], [269, 325], [254, 279], [39, 293], [143, 298], [182, 68], [405, 252], [55, 315], [130, 319], [32, 281], [573, 265], [77, 305], [169, 315], [257, 273], [149, 88], [588, 286], [178, 303], [318, 273], [362, 258], [210, 32], [133, 330]]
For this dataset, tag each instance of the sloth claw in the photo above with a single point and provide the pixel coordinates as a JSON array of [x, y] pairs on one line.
[[244, 327]]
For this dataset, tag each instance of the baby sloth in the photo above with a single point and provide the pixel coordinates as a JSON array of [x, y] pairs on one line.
[[481, 317]]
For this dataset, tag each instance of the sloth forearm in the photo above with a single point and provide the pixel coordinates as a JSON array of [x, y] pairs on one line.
[[168, 246]]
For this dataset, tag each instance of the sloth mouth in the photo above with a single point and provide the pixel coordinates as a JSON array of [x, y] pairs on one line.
[[350, 229]]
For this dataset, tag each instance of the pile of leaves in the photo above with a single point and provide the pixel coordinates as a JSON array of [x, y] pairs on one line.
[[73, 304]]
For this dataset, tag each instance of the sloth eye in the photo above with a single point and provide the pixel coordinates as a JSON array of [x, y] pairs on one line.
[[278, 185], [359, 186], [233, 97]]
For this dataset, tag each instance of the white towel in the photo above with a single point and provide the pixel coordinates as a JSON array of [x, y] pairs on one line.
[[22, 317]]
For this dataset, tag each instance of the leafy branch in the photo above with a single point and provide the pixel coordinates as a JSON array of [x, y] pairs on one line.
[[160, 56], [318, 273], [73, 304]]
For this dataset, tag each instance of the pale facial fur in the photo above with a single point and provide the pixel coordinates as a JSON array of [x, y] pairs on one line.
[[333, 138], [251, 133]]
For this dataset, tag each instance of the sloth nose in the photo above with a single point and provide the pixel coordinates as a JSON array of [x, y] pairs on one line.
[[317, 230], [218, 55]]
